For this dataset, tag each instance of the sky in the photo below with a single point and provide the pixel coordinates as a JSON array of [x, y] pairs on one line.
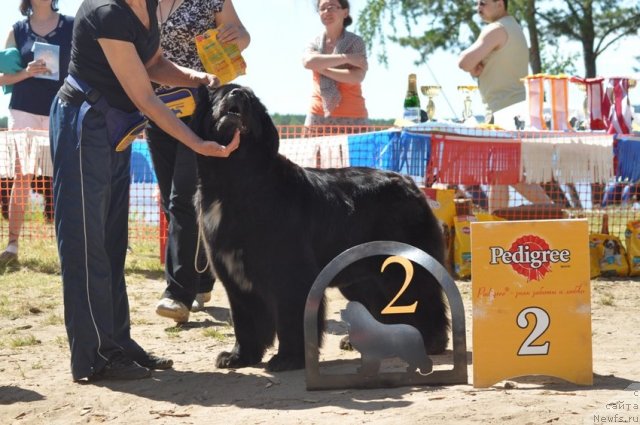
[[281, 29]]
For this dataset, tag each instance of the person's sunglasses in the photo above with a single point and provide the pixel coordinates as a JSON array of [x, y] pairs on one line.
[[330, 9], [484, 2]]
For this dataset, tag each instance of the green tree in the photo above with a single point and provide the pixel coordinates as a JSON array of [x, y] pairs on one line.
[[445, 24], [3, 122], [287, 119], [596, 24]]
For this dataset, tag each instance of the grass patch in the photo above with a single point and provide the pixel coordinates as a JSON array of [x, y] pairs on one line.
[[23, 341], [33, 287], [61, 341], [173, 332], [214, 333], [137, 321], [53, 319], [607, 299]]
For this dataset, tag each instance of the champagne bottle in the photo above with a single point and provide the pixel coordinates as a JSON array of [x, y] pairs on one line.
[[605, 224], [412, 101]]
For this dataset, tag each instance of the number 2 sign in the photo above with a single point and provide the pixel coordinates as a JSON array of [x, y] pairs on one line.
[[531, 300]]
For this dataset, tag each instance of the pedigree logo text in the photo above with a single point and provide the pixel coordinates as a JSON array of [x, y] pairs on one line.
[[529, 256]]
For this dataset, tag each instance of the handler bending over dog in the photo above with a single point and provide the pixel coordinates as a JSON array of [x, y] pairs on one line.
[[115, 56]]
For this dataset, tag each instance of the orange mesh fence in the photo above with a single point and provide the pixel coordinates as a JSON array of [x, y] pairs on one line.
[[25, 183], [513, 175]]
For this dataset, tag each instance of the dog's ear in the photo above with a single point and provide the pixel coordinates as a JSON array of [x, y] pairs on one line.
[[201, 119]]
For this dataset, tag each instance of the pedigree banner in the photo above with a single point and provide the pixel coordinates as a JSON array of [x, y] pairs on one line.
[[531, 300]]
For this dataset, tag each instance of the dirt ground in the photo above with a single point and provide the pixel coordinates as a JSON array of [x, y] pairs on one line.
[[36, 387]]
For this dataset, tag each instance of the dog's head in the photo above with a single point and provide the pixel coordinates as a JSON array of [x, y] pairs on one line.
[[221, 111], [611, 246]]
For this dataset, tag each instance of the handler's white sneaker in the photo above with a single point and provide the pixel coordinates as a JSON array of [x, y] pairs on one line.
[[173, 309], [198, 303]]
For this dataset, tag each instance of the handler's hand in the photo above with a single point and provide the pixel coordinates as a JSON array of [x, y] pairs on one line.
[[211, 148], [209, 80]]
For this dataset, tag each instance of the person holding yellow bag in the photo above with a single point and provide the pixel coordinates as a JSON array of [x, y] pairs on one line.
[[189, 282]]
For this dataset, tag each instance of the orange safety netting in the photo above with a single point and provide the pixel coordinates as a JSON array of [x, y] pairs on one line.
[[521, 175]]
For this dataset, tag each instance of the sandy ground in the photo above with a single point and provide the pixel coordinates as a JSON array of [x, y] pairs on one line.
[[35, 384]]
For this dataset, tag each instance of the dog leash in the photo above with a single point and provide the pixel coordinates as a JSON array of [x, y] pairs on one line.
[[195, 257]]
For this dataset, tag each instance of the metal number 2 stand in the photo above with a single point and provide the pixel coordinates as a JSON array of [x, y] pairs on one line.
[[318, 381]]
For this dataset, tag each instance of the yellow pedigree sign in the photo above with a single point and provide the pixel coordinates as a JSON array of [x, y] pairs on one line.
[[531, 300]]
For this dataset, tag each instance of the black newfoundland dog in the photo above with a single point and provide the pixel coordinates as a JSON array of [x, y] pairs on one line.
[[270, 226]]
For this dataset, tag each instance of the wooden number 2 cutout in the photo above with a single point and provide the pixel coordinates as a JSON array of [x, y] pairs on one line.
[[408, 268], [541, 325]]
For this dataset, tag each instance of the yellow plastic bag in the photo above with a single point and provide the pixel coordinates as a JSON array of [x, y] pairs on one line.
[[632, 239], [442, 204], [462, 241], [462, 246], [223, 60]]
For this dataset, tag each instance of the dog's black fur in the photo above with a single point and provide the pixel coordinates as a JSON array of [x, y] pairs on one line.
[[270, 226]]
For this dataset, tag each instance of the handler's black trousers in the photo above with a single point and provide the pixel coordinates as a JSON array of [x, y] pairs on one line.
[[175, 167], [91, 204]]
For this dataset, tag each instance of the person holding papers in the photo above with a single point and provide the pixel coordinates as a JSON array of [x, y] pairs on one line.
[[33, 89]]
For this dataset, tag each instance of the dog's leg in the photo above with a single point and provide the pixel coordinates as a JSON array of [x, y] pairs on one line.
[[254, 329], [290, 324], [290, 331]]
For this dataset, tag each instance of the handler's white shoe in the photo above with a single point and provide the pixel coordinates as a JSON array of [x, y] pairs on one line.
[[201, 298], [173, 309]]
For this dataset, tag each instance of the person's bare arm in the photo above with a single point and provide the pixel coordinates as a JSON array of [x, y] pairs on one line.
[[318, 62], [133, 77], [349, 76], [230, 28], [490, 39], [162, 71]]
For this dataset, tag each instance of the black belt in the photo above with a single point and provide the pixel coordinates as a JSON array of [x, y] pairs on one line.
[[75, 97]]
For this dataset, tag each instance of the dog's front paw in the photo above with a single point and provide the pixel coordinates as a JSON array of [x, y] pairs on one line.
[[232, 360], [279, 363]]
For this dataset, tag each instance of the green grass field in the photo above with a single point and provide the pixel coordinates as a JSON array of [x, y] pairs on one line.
[[33, 285]]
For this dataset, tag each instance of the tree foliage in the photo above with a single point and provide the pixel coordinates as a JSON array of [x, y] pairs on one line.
[[429, 25], [597, 25]]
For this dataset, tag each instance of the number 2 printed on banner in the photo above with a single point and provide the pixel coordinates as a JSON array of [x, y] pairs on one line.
[[540, 326]]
